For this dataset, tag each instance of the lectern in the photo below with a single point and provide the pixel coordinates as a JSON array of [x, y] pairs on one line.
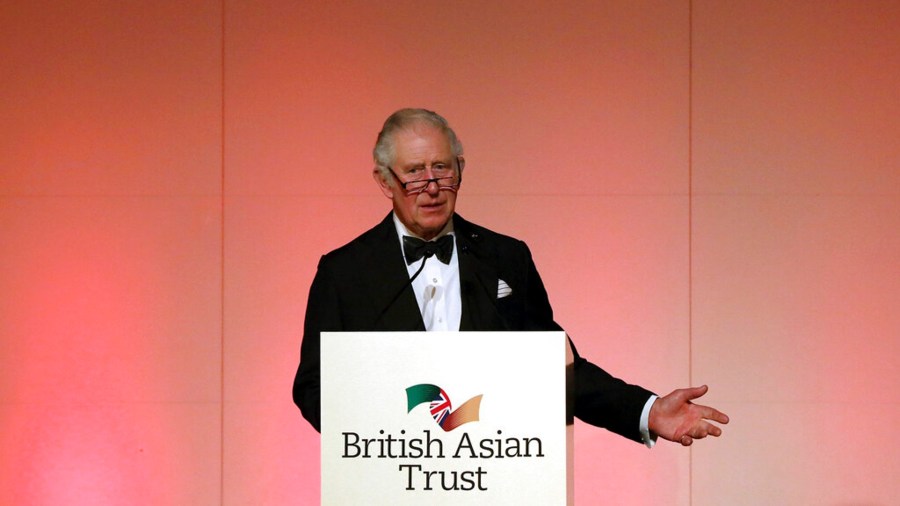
[[455, 418]]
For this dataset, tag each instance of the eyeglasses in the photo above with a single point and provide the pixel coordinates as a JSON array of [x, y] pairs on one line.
[[447, 177]]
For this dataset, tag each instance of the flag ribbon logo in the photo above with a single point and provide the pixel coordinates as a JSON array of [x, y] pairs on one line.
[[439, 405]]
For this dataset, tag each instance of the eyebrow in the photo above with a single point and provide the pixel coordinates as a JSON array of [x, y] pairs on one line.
[[424, 164]]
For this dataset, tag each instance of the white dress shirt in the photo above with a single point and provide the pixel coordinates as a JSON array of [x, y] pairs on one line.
[[437, 287]]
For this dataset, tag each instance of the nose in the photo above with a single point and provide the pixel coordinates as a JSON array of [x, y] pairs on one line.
[[432, 188]]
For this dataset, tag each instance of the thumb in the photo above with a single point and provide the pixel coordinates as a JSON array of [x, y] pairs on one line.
[[689, 394]]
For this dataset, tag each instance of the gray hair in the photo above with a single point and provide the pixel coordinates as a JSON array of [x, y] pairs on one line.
[[403, 119]]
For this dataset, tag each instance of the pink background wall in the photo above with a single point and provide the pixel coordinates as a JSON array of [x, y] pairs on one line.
[[710, 190]]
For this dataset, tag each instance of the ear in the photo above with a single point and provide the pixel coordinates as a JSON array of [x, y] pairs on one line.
[[386, 188]]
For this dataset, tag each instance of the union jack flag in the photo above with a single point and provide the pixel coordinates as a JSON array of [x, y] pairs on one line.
[[440, 408]]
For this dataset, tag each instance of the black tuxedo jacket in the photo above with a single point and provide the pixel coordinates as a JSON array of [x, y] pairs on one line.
[[364, 286]]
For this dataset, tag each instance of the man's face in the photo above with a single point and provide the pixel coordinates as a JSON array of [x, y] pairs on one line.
[[416, 150]]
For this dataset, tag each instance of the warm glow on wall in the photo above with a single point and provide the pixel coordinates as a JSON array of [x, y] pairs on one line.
[[710, 191]]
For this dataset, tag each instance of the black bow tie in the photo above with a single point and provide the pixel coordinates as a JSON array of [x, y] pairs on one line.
[[415, 248]]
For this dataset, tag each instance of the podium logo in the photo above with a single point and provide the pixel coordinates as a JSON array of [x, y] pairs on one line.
[[439, 405]]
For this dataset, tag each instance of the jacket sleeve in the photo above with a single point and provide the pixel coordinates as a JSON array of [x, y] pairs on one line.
[[322, 314]]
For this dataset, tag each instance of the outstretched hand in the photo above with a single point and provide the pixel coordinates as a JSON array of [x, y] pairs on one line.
[[675, 418]]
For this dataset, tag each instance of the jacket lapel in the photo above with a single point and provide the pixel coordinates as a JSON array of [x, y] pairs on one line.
[[478, 279], [390, 291]]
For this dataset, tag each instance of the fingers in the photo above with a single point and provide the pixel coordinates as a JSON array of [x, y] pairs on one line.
[[689, 394], [701, 430], [712, 430], [718, 416], [713, 414]]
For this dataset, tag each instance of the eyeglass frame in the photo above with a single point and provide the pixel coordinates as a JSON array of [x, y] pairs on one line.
[[435, 180]]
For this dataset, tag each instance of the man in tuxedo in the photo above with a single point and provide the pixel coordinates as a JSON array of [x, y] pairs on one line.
[[426, 268]]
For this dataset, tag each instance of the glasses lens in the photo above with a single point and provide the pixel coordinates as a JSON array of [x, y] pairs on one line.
[[442, 183]]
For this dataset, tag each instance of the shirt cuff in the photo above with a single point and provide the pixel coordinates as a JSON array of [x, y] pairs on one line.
[[648, 438]]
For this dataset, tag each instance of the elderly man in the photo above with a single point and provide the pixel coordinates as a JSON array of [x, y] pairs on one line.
[[387, 280]]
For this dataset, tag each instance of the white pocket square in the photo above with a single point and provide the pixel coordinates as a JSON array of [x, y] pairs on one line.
[[503, 290]]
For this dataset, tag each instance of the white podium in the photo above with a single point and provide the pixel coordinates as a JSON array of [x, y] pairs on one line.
[[456, 418]]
